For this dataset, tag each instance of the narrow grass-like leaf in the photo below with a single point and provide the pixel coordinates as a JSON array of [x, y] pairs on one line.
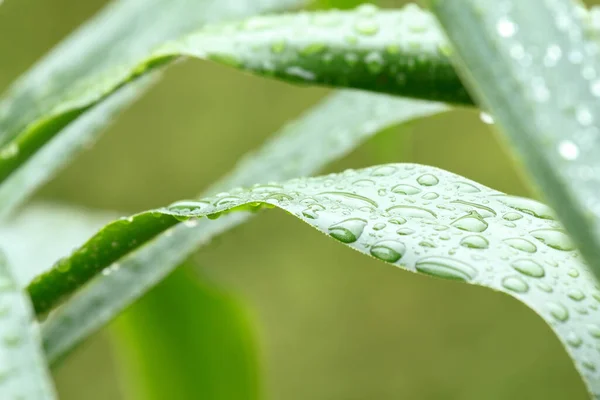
[[327, 132], [205, 351], [390, 51], [418, 218], [535, 65], [85, 69], [23, 370], [74, 138]]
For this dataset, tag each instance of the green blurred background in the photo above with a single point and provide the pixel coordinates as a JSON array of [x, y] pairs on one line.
[[328, 323]]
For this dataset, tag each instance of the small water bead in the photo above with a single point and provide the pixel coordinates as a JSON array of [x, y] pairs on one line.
[[388, 250], [558, 311], [544, 287], [397, 221], [512, 216], [379, 226], [348, 199], [471, 223], [375, 62], [366, 26], [515, 284], [406, 189], [386, 170], [568, 150], [427, 244], [529, 268], [475, 242], [430, 196], [594, 330], [506, 28], [348, 231], [367, 9], [405, 231], [428, 180], [588, 365], [464, 187], [554, 238], [576, 294], [486, 118], [411, 212], [574, 340], [573, 273], [313, 48], [448, 268], [521, 244]]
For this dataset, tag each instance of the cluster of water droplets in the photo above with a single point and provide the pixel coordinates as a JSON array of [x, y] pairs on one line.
[[431, 221], [381, 50]]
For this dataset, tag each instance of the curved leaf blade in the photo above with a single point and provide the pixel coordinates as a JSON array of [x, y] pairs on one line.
[[534, 65], [418, 218], [84, 69], [23, 370], [331, 129]]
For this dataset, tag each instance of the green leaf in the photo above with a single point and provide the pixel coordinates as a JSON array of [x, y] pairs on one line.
[[206, 344], [390, 51], [23, 371], [419, 218], [535, 66], [89, 67], [327, 132], [78, 136]]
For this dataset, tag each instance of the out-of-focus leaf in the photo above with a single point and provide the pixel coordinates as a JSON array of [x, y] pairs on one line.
[[35, 227], [327, 132], [418, 218], [23, 370], [536, 67], [186, 339], [81, 72]]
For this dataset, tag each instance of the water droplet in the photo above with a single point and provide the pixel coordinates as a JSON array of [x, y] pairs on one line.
[[313, 48], [558, 311], [447, 268], [411, 212], [475, 242], [574, 340], [464, 187], [512, 216], [348, 231], [521, 244], [594, 330], [388, 250], [367, 9], [545, 287], [506, 28], [430, 196], [405, 231], [406, 189], [515, 284], [366, 26], [379, 226], [554, 238], [527, 206], [397, 221], [349, 199], [576, 294], [386, 170], [427, 244], [470, 223], [486, 118], [529, 268], [375, 62], [568, 150], [428, 180], [573, 273]]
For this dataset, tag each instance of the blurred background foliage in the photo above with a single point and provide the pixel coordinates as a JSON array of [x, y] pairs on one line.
[[323, 322]]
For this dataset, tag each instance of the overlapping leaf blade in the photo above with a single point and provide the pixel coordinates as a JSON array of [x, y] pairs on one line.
[[23, 369], [535, 66], [327, 132], [84, 70], [418, 218]]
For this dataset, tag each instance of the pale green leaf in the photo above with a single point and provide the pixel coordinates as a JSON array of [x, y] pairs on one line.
[[419, 218], [327, 132], [535, 66], [86, 69], [23, 370]]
